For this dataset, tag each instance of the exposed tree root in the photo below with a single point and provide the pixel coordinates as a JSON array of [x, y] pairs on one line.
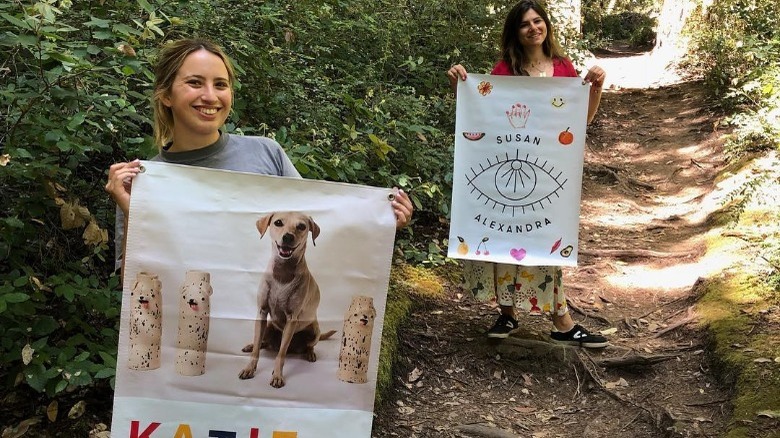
[[478, 430], [634, 360]]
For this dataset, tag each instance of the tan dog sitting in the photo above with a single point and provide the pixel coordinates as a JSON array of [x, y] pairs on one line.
[[288, 293]]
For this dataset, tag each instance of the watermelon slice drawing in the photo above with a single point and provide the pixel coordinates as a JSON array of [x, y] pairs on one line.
[[473, 136]]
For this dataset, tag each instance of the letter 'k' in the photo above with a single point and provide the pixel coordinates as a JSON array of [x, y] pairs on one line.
[[147, 433]]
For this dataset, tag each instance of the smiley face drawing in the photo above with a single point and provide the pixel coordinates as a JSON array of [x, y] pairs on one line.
[[558, 102]]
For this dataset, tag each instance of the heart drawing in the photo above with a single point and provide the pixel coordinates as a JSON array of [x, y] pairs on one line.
[[518, 254]]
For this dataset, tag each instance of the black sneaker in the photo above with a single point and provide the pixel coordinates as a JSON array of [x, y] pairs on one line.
[[503, 327], [580, 337]]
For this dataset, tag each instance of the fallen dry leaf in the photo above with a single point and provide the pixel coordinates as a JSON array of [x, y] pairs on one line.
[[39, 285], [621, 382], [5, 159], [524, 409], [406, 410], [762, 360], [69, 217], [126, 50], [93, 235], [768, 414], [77, 410], [21, 429], [27, 354], [414, 375], [609, 331], [52, 410]]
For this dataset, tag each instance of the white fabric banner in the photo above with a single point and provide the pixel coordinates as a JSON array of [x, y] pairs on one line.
[[517, 181], [199, 245]]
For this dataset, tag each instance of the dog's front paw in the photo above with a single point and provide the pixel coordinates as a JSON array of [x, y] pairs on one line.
[[311, 356], [277, 381], [247, 373]]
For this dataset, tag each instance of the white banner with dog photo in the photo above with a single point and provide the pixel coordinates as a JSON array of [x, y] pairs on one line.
[[517, 181], [206, 249]]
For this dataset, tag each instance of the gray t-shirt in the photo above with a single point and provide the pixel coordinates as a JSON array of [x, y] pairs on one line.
[[259, 155]]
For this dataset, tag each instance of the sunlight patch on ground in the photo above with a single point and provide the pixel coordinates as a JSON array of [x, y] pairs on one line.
[[626, 216], [671, 277], [651, 69]]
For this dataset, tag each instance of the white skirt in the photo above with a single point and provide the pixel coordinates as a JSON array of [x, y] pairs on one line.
[[535, 289]]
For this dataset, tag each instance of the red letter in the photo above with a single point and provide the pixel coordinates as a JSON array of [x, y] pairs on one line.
[[254, 433], [146, 433]]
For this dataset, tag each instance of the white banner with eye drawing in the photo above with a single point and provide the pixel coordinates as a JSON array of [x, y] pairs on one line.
[[252, 306], [517, 181]]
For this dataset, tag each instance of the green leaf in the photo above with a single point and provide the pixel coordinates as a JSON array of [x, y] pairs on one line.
[[97, 22], [22, 153], [47, 11], [105, 372], [15, 297], [44, 325], [81, 357], [76, 121], [102, 35], [35, 376], [14, 222], [65, 59], [125, 30], [11, 39], [147, 7], [108, 360], [61, 385], [16, 22]]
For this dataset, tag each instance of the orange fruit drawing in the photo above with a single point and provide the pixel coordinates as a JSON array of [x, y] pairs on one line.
[[566, 137]]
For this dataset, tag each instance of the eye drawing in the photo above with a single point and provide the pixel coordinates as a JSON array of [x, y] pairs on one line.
[[514, 183]]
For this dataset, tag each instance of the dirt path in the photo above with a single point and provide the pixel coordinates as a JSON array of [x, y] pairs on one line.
[[651, 160]]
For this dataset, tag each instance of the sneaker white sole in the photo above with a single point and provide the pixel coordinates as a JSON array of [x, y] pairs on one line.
[[502, 335], [582, 344]]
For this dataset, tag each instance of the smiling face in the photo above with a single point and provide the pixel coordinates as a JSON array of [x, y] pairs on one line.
[[532, 30], [200, 99]]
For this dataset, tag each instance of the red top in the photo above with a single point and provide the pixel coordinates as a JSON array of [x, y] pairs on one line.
[[561, 67]]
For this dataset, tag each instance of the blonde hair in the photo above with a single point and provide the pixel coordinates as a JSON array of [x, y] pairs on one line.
[[169, 62]]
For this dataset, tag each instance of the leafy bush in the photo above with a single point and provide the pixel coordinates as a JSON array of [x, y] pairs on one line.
[[742, 69], [633, 22], [72, 85], [635, 28]]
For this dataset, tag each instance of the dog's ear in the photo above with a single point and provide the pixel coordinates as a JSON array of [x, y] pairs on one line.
[[263, 222], [315, 230]]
